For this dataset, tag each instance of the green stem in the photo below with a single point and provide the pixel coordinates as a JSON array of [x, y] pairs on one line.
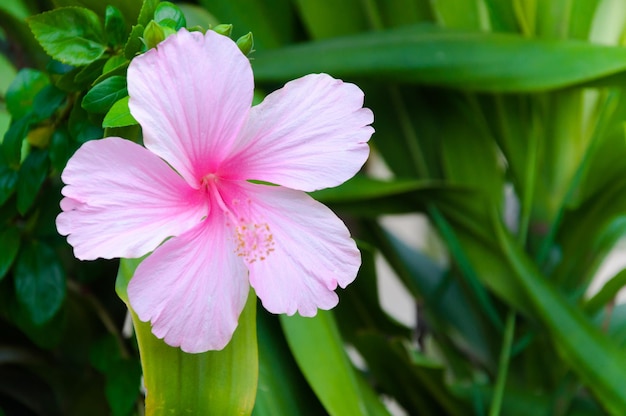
[[503, 364]]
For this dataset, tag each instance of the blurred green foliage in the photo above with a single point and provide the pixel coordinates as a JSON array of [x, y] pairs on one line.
[[500, 121]]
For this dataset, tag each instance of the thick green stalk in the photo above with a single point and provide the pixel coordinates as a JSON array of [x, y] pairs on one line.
[[211, 383]]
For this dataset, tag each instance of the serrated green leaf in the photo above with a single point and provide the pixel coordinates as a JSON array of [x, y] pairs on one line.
[[102, 96], [147, 11], [72, 35], [39, 282], [32, 174], [23, 90], [168, 14], [9, 246], [114, 26], [134, 44], [119, 115]]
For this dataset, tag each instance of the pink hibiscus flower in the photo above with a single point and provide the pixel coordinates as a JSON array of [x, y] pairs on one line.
[[203, 142]]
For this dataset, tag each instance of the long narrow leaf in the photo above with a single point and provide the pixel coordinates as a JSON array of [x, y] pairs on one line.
[[426, 54]]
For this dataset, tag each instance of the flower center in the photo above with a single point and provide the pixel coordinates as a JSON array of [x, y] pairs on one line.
[[253, 240]]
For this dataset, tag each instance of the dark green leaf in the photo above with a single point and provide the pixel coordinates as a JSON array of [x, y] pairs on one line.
[[418, 383], [22, 91], [32, 174], [134, 44], [598, 361], [59, 149], [81, 128], [114, 26], [102, 96], [72, 35], [13, 138], [39, 282], [168, 14], [123, 380], [47, 101], [425, 54], [104, 353], [8, 183], [9, 246], [119, 115], [282, 389], [90, 72]]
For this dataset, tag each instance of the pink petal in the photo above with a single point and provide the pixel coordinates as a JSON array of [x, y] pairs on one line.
[[192, 288], [309, 135], [123, 201], [191, 96], [297, 250]]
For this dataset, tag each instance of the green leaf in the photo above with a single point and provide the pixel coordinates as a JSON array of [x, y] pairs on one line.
[[129, 8], [282, 389], [216, 382], [328, 370], [608, 293], [123, 380], [197, 16], [47, 101], [59, 149], [425, 54], [119, 115], [9, 246], [327, 18], [81, 129], [168, 14], [39, 281], [13, 138], [271, 21], [114, 62], [90, 72], [114, 26], [102, 96], [134, 44], [23, 90], [72, 35], [599, 362], [418, 383], [32, 174], [8, 183]]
